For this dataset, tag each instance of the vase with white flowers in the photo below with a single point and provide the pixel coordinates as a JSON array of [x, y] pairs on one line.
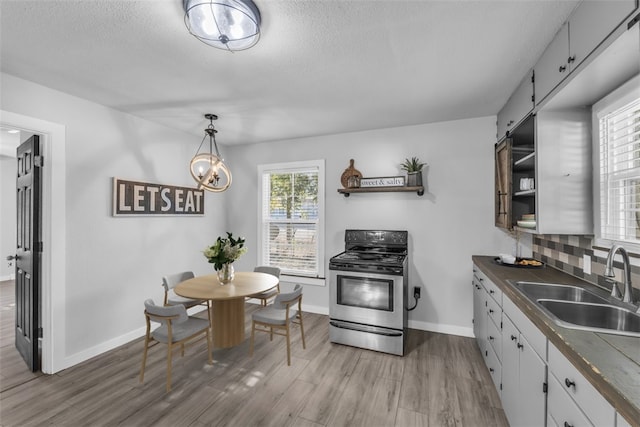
[[223, 253]]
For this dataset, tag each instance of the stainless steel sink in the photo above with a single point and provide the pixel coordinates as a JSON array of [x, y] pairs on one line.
[[605, 318], [536, 291], [574, 307]]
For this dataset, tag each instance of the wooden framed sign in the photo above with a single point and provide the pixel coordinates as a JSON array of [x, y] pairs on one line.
[[132, 198], [384, 181]]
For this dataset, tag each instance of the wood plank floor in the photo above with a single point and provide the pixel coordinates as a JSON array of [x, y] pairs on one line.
[[442, 381]]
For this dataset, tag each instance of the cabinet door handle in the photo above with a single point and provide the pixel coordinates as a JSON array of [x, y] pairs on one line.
[[566, 424], [571, 59], [569, 383], [490, 311], [490, 369], [520, 345], [562, 68], [513, 337], [491, 338], [491, 291]]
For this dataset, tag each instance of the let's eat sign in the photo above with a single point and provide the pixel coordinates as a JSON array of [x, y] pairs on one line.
[[143, 198]]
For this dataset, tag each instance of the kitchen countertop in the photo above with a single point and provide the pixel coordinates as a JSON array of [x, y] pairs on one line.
[[611, 363]]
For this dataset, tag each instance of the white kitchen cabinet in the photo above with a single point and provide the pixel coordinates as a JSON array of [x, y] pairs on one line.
[[562, 410], [487, 317], [479, 312], [494, 337], [621, 422], [552, 66], [495, 368], [588, 26], [517, 107], [591, 23], [582, 403], [553, 148], [523, 376]]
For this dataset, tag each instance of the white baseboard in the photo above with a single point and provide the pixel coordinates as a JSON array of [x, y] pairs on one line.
[[97, 350], [114, 343], [413, 324], [443, 329], [137, 333], [9, 277]]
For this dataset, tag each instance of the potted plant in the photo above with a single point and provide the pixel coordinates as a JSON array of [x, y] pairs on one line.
[[413, 168]]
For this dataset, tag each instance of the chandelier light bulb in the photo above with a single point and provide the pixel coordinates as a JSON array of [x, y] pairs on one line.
[[208, 168]]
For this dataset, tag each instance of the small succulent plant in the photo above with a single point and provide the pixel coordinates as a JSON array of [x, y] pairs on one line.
[[413, 165]]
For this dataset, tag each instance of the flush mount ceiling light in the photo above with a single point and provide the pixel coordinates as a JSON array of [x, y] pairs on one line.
[[225, 24], [208, 169]]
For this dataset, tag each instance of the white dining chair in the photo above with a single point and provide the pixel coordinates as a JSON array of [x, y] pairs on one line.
[[265, 296], [278, 317], [176, 329]]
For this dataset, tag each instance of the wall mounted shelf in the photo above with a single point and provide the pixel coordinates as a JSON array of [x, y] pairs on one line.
[[347, 191]]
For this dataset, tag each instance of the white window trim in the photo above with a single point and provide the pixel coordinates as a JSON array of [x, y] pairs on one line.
[[611, 102], [316, 281]]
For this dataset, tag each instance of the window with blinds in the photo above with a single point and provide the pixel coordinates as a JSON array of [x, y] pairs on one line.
[[619, 154], [292, 211]]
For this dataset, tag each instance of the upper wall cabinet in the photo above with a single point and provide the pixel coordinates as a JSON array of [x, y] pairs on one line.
[[547, 151], [588, 26], [517, 107]]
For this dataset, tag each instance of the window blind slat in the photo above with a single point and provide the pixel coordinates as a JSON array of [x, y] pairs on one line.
[[290, 220], [620, 173]]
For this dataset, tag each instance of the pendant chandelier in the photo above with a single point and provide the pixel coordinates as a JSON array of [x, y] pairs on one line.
[[207, 168], [226, 24]]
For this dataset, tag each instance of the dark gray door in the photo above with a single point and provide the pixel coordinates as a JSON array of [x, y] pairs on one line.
[[28, 251]]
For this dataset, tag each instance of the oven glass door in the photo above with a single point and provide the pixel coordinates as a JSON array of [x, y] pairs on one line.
[[367, 298], [365, 292]]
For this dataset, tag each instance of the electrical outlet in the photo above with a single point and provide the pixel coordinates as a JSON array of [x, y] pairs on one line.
[[416, 292]]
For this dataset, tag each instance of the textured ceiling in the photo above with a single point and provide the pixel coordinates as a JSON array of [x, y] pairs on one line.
[[320, 67]]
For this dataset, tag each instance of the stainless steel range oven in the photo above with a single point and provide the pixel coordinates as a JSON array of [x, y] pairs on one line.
[[368, 291]]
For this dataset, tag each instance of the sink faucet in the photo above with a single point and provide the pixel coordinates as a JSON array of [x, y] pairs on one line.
[[608, 272]]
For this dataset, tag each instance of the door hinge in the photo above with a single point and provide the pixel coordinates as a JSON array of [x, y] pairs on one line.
[[501, 325], [39, 332], [38, 161], [533, 98], [545, 387], [39, 247]]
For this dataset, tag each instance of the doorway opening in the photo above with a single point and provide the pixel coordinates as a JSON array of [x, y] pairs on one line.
[[53, 297]]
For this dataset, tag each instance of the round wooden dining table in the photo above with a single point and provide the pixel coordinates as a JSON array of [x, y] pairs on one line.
[[227, 301]]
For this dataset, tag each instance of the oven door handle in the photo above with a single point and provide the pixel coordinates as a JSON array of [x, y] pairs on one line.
[[371, 330]]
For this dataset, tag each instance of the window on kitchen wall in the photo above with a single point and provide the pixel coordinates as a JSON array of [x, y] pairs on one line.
[[616, 120], [291, 228]]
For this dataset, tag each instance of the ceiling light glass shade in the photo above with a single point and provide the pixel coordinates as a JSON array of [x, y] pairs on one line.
[[225, 24], [208, 168]]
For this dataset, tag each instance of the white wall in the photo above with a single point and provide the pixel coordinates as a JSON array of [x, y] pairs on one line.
[[7, 215], [114, 263], [451, 222]]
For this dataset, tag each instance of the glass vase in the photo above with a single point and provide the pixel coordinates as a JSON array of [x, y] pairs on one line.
[[226, 273]]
